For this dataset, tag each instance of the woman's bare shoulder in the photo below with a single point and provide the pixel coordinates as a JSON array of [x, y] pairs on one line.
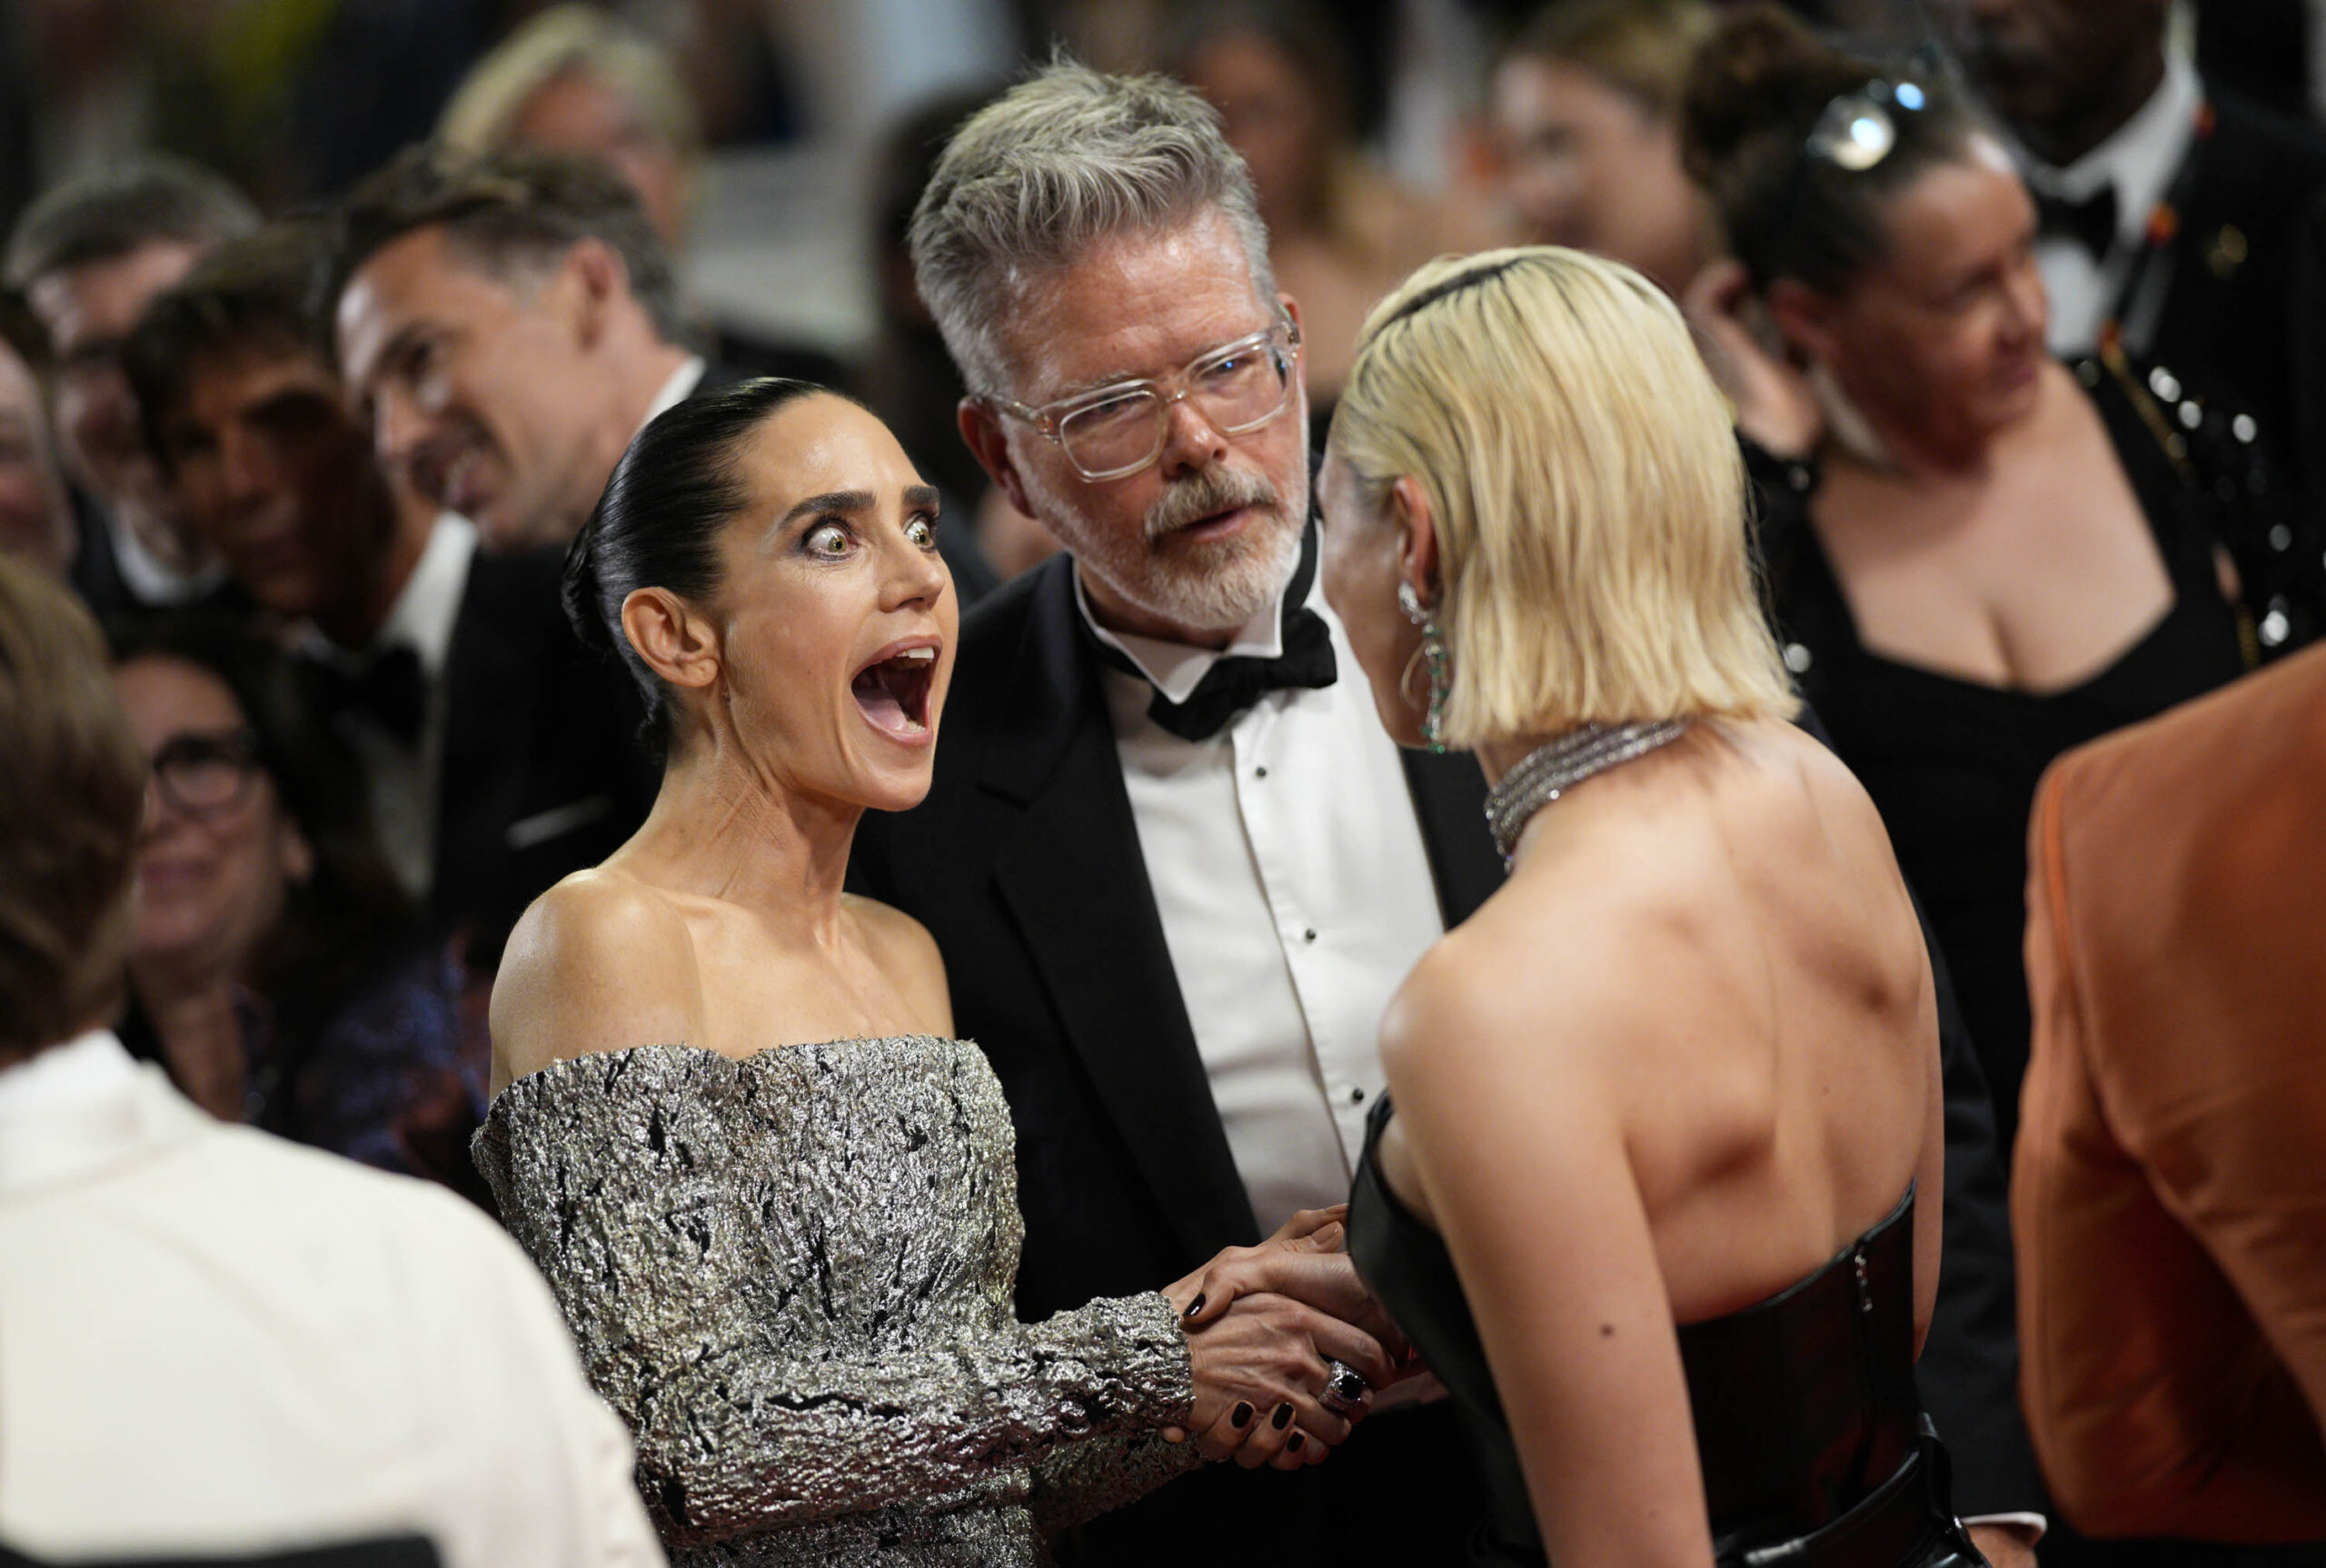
[[602, 961]]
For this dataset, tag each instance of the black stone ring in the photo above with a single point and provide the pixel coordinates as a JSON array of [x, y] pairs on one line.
[[1345, 1390]]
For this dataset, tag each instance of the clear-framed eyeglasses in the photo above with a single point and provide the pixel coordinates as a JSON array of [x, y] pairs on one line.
[[1113, 432]]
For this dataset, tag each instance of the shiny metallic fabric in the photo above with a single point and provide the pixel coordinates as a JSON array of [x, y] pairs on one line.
[[791, 1274]]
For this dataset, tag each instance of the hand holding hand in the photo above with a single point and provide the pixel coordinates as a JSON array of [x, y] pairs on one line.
[[1305, 1259], [1260, 1371]]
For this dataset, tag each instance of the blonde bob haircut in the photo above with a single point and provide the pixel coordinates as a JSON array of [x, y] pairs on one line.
[[1588, 495]]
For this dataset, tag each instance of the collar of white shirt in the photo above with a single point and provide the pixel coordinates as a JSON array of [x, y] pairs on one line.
[[426, 609], [81, 1107], [2140, 159], [1175, 668], [677, 390]]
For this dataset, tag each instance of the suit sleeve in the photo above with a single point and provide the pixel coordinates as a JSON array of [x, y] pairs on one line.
[[1969, 1372], [2158, 1406]]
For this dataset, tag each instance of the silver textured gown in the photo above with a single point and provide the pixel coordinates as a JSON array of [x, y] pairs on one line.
[[791, 1274]]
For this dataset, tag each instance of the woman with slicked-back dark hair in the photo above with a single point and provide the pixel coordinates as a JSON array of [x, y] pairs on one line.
[[775, 1197], [1979, 556]]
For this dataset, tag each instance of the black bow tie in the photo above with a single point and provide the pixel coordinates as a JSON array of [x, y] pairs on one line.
[[390, 691], [1236, 681], [2090, 222]]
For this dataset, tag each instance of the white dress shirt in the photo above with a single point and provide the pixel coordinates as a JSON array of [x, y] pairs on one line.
[[1294, 896], [403, 779], [675, 391], [213, 1342], [2140, 160]]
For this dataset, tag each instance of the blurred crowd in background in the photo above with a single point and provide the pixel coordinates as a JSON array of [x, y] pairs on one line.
[[319, 494]]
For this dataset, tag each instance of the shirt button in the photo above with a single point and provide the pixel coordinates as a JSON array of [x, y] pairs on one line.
[[1259, 772], [1309, 935], [1356, 1096]]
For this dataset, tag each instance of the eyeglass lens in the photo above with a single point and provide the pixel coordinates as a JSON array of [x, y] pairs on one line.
[[205, 772], [1235, 392]]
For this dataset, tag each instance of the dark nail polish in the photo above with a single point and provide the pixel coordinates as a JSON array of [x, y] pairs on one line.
[[1282, 1418], [1241, 1416], [1292, 1443], [1194, 1306]]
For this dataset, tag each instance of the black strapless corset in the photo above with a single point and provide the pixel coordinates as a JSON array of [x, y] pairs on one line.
[[1809, 1430]]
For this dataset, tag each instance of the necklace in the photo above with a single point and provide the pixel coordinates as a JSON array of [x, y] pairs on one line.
[[1557, 766]]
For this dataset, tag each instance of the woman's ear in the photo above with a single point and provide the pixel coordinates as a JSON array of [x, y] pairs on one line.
[[1802, 317], [298, 855], [679, 643], [1417, 536]]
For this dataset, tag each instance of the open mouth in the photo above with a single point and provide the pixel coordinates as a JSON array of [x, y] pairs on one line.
[[892, 693]]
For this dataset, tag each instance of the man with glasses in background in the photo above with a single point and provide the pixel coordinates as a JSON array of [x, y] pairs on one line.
[[1174, 864]]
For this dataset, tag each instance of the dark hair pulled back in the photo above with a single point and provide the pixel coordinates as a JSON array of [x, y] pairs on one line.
[[1756, 91], [659, 524]]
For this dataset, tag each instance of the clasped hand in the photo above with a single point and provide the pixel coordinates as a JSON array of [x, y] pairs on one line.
[[1262, 1323]]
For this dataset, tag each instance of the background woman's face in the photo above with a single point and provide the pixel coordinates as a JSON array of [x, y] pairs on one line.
[[1945, 332], [837, 617], [1584, 164], [1359, 567], [211, 883]]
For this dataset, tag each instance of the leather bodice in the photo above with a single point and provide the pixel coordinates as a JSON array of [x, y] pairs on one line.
[[1803, 1403]]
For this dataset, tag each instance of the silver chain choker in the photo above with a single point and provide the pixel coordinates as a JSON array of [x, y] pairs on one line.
[[1555, 767]]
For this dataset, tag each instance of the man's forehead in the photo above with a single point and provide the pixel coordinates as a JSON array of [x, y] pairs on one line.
[[422, 275], [1132, 304], [103, 295], [254, 370]]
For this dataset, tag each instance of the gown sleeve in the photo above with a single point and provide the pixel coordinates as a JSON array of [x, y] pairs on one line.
[[712, 1314]]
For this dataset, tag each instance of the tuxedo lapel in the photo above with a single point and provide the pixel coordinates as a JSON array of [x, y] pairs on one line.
[[1449, 804], [1072, 876], [489, 680]]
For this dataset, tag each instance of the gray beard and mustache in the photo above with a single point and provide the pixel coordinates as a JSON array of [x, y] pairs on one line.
[[1211, 587]]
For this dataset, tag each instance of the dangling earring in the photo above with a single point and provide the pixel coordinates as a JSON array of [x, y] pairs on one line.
[[1434, 656]]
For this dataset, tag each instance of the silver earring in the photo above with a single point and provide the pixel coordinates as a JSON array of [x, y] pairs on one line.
[[1435, 658]]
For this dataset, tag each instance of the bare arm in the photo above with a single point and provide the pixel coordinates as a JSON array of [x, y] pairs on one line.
[[1522, 1159]]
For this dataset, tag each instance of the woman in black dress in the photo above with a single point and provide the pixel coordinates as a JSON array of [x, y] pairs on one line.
[[1978, 557], [1647, 1200]]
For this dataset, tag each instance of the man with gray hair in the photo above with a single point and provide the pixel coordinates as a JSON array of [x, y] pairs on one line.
[[89, 255], [1175, 867]]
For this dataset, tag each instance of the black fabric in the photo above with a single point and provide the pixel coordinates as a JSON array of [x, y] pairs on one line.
[[2090, 222], [391, 689], [1953, 764], [1804, 1403], [1024, 863], [2240, 287], [542, 771]]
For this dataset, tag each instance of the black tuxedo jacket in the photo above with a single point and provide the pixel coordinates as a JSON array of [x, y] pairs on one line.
[[544, 772], [1025, 865], [2241, 316], [1024, 862]]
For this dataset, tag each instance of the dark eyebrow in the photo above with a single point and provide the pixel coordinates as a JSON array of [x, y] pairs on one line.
[[921, 498], [830, 500]]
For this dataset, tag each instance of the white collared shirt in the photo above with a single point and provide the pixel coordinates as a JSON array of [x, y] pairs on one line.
[[1295, 895], [2139, 160], [403, 779], [675, 391], [213, 1342]]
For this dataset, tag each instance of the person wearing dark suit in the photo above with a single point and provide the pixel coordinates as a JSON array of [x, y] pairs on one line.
[[1174, 866], [509, 321], [497, 757], [2171, 206]]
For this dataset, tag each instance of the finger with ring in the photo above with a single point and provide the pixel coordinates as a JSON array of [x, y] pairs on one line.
[[1346, 1391]]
